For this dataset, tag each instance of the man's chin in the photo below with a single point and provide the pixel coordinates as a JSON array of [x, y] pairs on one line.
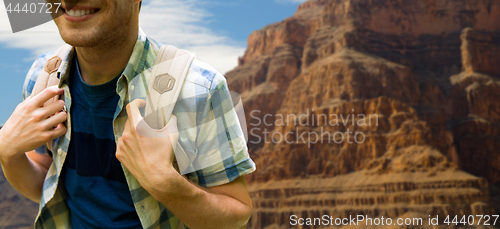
[[79, 39]]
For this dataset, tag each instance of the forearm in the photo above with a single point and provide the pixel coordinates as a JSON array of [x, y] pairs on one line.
[[25, 175], [199, 208], [31, 125]]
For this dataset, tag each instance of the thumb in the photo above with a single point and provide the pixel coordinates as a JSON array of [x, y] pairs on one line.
[[133, 111], [172, 130]]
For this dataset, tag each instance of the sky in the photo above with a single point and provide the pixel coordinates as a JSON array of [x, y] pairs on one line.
[[216, 31]]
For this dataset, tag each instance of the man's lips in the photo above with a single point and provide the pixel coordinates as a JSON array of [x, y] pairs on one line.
[[80, 13]]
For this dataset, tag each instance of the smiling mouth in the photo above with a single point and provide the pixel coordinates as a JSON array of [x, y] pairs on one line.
[[80, 12]]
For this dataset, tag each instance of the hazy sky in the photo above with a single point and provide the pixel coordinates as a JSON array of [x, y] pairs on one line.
[[216, 31]]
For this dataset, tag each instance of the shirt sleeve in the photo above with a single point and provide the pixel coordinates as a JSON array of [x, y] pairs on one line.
[[220, 142]]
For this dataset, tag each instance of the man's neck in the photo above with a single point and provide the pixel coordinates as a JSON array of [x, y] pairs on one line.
[[101, 64]]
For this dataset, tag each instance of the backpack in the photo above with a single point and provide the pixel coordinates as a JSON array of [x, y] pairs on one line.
[[164, 85]]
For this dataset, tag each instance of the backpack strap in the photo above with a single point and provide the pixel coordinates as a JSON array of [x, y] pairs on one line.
[[50, 77], [165, 84]]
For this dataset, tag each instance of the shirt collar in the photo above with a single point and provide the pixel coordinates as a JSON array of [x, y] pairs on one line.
[[137, 61]]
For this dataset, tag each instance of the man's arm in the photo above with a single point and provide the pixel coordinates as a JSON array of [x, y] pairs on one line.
[[27, 173], [29, 127], [225, 206]]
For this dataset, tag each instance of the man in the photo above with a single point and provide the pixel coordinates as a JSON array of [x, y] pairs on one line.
[[101, 173]]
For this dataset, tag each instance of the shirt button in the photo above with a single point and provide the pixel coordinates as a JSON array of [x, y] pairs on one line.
[[59, 151], [132, 87]]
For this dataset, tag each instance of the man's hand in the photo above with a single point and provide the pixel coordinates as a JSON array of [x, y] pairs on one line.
[[31, 125], [147, 153]]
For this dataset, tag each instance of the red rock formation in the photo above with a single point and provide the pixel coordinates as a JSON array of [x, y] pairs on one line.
[[415, 82], [480, 51]]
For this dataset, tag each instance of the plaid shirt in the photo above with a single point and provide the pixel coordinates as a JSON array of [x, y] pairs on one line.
[[195, 104]]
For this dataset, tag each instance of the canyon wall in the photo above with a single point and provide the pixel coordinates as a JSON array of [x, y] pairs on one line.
[[375, 107]]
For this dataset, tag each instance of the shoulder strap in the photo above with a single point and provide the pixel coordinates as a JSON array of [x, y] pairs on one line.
[[165, 84], [48, 76]]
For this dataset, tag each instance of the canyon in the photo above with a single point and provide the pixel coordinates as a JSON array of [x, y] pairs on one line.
[[420, 80]]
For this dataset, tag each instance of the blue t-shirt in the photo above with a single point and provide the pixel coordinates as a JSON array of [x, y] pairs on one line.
[[98, 194]]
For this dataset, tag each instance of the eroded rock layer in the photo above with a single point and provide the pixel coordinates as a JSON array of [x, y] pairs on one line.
[[380, 107]]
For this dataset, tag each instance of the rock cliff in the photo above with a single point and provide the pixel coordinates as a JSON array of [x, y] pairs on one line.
[[376, 107]]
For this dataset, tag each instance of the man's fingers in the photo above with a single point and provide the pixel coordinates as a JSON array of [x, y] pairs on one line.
[[59, 131], [127, 126], [53, 108], [133, 111], [46, 94], [55, 120]]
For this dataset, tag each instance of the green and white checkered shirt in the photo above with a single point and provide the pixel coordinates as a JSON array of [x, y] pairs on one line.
[[196, 104]]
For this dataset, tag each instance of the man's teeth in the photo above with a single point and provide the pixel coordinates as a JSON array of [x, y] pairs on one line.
[[79, 13]]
